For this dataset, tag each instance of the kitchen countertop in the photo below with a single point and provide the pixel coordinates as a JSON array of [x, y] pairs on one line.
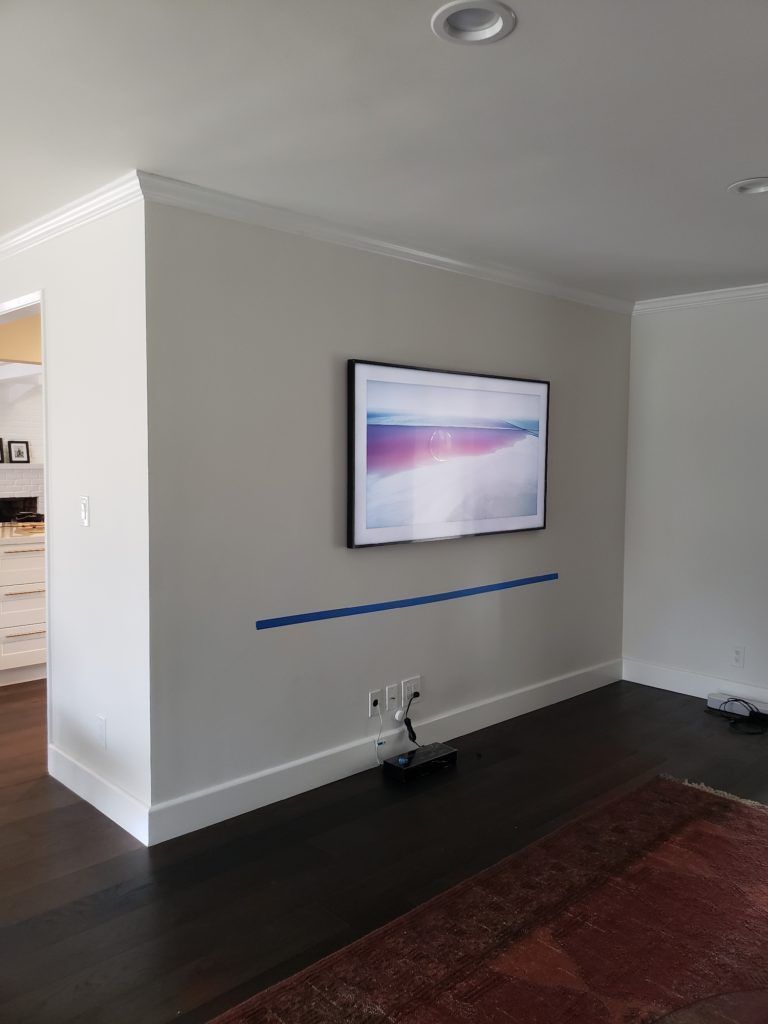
[[18, 533]]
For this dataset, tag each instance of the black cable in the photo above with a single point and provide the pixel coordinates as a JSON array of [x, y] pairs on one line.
[[751, 708], [754, 723], [407, 721]]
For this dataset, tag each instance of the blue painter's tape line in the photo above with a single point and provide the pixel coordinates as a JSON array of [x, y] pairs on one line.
[[407, 602]]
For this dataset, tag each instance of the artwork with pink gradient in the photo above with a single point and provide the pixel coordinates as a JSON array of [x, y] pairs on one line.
[[449, 454], [437, 454]]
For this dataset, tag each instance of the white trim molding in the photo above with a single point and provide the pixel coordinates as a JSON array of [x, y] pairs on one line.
[[191, 811], [681, 680], [137, 186], [205, 807], [141, 185], [248, 211], [124, 809], [667, 302], [102, 201]]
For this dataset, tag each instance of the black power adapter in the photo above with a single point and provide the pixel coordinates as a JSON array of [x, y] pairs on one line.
[[423, 760], [433, 757]]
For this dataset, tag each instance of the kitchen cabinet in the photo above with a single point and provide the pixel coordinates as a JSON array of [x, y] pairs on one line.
[[23, 628]]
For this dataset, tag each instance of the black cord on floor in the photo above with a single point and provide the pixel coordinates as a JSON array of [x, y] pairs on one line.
[[754, 723]]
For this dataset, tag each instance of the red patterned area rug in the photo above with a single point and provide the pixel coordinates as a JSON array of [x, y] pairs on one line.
[[652, 908]]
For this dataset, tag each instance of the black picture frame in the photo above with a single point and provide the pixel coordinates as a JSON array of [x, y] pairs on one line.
[[2, 450], [352, 444], [21, 444]]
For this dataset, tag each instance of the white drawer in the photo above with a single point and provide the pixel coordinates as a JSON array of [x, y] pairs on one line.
[[22, 645], [22, 563], [21, 603]]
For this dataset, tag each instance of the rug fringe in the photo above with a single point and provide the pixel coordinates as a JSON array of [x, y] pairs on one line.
[[716, 792]]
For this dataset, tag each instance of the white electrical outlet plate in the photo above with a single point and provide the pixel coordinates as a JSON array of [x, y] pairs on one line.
[[101, 730], [738, 657], [85, 510], [409, 686], [393, 696], [373, 711]]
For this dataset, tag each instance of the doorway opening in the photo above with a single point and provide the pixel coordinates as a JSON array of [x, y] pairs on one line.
[[23, 563]]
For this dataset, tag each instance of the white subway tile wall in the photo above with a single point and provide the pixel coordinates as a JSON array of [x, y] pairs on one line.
[[21, 419], [20, 482]]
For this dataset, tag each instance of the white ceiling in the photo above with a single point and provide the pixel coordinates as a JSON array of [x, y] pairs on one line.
[[592, 147]]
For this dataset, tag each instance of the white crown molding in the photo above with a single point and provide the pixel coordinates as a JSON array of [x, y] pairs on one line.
[[111, 197], [750, 291], [248, 211], [141, 185], [154, 188]]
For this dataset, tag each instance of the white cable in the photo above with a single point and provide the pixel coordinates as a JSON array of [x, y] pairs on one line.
[[377, 741]]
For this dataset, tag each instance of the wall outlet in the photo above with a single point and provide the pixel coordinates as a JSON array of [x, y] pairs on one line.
[[85, 510], [738, 657], [375, 703], [393, 697], [101, 730], [409, 687]]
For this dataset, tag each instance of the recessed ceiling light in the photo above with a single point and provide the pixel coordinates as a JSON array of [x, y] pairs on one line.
[[473, 21], [749, 187]]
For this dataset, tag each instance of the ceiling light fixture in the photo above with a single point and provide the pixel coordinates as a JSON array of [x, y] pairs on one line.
[[473, 21], [749, 187]]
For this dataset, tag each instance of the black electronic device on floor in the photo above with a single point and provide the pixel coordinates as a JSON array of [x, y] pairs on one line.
[[414, 764]]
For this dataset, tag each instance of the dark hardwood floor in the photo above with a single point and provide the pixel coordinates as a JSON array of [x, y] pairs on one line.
[[96, 928]]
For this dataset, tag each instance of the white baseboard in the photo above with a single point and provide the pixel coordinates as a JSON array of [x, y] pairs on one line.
[[9, 676], [680, 680], [205, 807], [237, 796], [121, 807]]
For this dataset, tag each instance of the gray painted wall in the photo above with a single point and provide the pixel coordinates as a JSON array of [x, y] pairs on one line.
[[248, 334]]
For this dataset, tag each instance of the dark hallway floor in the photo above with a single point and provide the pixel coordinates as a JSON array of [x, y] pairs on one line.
[[96, 928]]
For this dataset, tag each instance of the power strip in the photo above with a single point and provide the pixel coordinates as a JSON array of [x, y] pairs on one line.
[[715, 702], [413, 764]]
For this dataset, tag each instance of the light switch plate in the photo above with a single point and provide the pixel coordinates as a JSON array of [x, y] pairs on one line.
[[85, 510], [393, 696]]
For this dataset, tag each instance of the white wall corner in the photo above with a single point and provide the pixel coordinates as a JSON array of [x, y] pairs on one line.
[[238, 796], [122, 808]]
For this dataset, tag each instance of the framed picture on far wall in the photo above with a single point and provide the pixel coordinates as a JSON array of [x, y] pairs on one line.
[[18, 451], [436, 454]]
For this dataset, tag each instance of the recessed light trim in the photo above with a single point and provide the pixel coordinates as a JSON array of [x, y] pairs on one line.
[[749, 187], [473, 21]]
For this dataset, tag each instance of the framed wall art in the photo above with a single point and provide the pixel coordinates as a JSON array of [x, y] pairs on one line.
[[436, 454], [18, 451]]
